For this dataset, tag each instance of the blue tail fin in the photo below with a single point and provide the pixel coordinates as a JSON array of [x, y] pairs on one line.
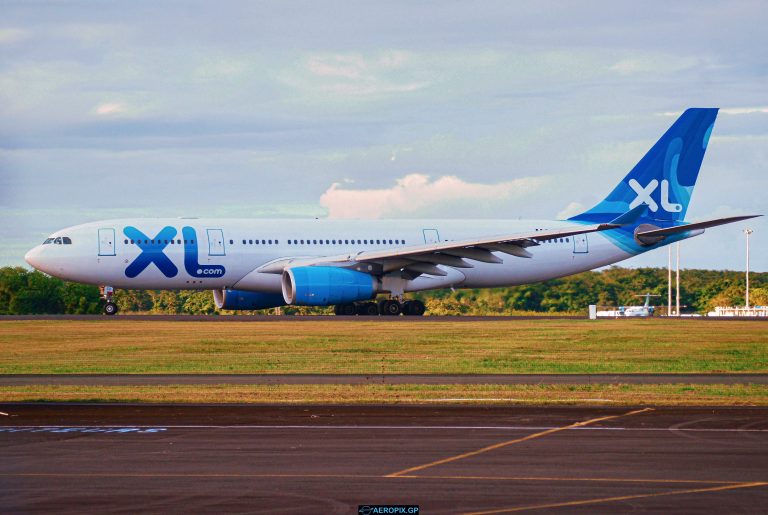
[[664, 178]]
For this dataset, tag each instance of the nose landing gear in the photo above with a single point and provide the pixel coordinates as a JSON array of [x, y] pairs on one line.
[[110, 308]]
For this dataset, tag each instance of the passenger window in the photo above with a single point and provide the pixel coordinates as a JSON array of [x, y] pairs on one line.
[[230, 242], [125, 241], [390, 242], [250, 242], [172, 242], [270, 241], [378, 242], [132, 242], [243, 242], [314, 241]]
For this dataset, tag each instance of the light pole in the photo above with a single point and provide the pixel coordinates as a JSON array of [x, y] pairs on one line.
[[677, 280], [746, 294], [669, 281]]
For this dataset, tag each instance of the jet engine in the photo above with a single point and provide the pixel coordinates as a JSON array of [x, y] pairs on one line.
[[239, 299], [325, 285]]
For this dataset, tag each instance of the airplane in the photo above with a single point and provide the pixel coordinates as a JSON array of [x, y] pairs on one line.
[[252, 264], [646, 310]]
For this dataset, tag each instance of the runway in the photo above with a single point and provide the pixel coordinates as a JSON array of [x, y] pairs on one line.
[[332, 318], [330, 459], [266, 379]]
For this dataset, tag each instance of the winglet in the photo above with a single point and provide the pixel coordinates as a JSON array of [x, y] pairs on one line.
[[631, 216]]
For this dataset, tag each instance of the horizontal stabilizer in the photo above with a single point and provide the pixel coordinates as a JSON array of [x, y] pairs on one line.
[[631, 216], [694, 226]]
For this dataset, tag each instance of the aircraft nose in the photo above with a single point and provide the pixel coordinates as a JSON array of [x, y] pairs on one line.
[[33, 257]]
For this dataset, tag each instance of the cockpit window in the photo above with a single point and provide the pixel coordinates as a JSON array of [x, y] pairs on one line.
[[59, 240]]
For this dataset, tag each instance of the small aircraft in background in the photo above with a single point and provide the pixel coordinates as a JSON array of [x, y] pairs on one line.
[[646, 310]]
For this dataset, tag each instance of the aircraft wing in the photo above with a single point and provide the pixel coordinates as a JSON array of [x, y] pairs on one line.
[[423, 259], [694, 226]]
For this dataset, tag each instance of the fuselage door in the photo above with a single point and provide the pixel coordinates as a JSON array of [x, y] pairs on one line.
[[431, 236], [215, 242], [580, 244], [106, 242]]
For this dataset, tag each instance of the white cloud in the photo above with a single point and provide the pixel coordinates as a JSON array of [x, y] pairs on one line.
[[110, 108], [416, 194], [743, 110], [572, 209], [355, 75], [734, 111], [11, 36], [659, 64]]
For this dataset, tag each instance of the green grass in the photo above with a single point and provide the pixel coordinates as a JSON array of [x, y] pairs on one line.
[[657, 395], [331, 346]]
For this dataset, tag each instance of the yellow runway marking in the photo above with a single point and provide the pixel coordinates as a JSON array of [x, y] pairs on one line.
[[567, 479], [511, 442], [617, 498]]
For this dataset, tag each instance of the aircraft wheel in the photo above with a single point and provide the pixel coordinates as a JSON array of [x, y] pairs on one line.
[[390, 308], [110, 308], [345, 309], [414, 308], [369, 309]]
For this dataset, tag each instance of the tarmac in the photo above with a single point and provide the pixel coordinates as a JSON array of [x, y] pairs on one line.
[[265, 379], [69, 458], [332, 318]]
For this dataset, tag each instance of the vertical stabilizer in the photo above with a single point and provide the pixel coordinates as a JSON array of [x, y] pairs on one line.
[[664, 178]]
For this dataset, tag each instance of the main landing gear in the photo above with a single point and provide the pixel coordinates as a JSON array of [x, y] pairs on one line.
[[390, 307], [110, 308]]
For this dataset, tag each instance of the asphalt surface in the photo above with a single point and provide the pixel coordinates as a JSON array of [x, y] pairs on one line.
[[331, 318], [261, 379], [330, 459]]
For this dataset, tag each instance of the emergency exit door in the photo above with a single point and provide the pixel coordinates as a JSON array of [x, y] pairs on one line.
[[215, 242], [431, 236], [106, 242], [580, 244]]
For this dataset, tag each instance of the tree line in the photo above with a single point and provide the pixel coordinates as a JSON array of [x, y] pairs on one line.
[[31, 292]]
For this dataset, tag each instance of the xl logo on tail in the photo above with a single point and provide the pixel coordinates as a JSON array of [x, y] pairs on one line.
[[152, 251], [644, 196]]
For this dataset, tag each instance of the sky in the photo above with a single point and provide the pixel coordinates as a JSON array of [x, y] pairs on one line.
[[374, 109]]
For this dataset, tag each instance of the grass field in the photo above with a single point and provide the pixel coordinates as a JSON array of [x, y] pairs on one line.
[[657, 395], [514, 346], [373, 347]]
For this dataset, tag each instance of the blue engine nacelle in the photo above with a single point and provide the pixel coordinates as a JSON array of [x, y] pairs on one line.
[[239, 299], [325, 285]]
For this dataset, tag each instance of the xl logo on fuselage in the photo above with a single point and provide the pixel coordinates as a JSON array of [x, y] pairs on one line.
[[644, 196], [152, 251]]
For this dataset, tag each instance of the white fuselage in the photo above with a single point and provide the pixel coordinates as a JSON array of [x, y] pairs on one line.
[[225, 253]]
